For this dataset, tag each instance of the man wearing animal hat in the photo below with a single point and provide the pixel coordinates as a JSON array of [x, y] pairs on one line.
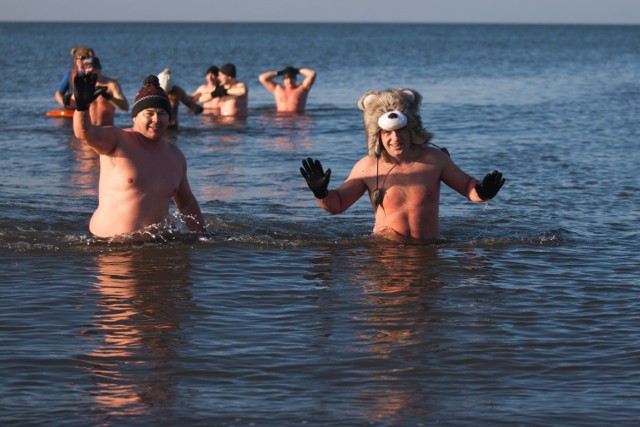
[[402, 171], [140, 170]]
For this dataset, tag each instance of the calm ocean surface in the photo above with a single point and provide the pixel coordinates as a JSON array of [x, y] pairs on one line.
[[528, 314]]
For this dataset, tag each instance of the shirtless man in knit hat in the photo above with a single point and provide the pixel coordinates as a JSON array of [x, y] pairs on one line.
[[233, 93], [140, 170], [401, 173], [103, 109]]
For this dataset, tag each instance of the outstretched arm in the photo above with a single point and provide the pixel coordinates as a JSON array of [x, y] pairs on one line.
[[468, 186], [332, 201], [187, 100]]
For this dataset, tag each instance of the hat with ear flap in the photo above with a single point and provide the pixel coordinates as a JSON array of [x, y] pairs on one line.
[[392, 109]]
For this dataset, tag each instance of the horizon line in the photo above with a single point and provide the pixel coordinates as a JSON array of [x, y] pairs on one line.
[[168, 21]]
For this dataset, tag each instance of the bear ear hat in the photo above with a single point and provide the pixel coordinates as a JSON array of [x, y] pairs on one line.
[[415, 97], [367, 100]]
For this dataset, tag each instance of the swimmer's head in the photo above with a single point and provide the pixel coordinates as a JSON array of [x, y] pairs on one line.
[[228, 70], [212, 70], [151, 95], [81, 53], [392, 109], [289, 72]]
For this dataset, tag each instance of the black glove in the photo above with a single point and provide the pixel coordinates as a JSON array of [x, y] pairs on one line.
[[84, 90], [218, 92], [490, 185], [198, 109], [317, 179], [103, 92]]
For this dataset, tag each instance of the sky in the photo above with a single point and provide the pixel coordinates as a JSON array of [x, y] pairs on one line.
[[416, 11]]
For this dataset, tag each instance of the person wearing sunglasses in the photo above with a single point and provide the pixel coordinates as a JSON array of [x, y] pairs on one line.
[[64, 92]]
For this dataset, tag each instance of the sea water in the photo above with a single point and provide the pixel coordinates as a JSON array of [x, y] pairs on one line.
[[526, 314]]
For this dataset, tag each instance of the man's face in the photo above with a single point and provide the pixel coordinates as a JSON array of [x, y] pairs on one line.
[[152, 123], [212, 79], [223, 78], [289, 81], [396, 142]]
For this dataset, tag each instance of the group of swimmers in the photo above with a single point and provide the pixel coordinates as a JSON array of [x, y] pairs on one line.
[[141, 171], [221, 94]]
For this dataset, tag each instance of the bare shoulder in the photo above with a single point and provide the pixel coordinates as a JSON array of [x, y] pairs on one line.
[[433, 155], [111, 81], [363, 167]]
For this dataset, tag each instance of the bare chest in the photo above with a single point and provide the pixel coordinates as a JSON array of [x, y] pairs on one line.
[[409, 185], [144, 172]]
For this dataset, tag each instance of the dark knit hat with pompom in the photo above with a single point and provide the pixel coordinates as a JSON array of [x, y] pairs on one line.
[[151, 95]]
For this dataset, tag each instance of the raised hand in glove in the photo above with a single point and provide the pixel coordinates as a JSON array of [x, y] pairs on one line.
[[490, 185], [317, 178], [218, 92], [103, 92], [85, 91]]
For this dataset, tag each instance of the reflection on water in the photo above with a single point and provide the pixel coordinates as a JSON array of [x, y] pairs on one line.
[[85, 168], [286, 132], [398, 285], [135, 334]]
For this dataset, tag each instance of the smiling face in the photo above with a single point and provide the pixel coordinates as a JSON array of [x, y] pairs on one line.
[[396, 142], [152, 123], [224, 79]]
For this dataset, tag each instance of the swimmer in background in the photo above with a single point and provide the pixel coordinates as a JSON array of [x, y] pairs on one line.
[[64, 93], [289, 96], [233, 93], [103, 109], [176, 96], [402, 172], [212, 106], [140, 170]]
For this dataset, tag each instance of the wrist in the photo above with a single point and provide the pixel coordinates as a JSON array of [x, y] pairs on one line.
[[321, 194]]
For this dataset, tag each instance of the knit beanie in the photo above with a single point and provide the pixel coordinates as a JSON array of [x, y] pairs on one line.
[[151, 95], [165, 79], [229, 70]]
